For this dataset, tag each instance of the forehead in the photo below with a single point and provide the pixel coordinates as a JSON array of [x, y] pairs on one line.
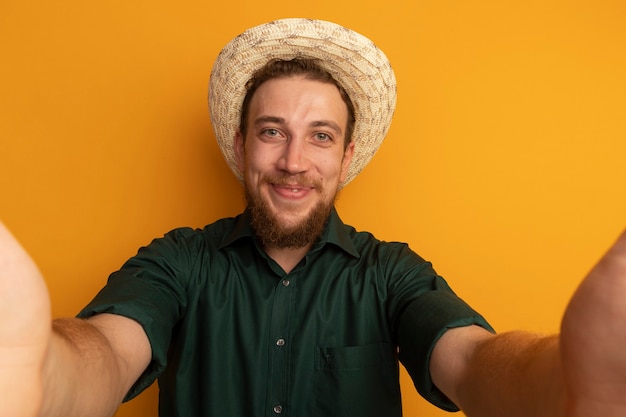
[[300, 95]]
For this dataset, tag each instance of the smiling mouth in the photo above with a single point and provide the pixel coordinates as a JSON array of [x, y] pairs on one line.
[[293, 185], [293, 189]]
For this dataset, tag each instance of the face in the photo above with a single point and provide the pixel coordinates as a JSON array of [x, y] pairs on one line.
[[293, 157]]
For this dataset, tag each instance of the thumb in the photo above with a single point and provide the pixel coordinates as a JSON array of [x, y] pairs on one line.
[[24, 298]]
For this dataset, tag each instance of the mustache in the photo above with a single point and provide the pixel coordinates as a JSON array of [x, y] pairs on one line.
[[292, 179]]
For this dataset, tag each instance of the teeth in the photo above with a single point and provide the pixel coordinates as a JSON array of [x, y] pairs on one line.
[[294, 190]]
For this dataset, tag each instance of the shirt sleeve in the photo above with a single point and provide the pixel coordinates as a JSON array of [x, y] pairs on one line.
[[151, 289], [428, 308]]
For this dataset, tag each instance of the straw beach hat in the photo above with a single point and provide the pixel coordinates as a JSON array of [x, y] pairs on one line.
[[353, 60]]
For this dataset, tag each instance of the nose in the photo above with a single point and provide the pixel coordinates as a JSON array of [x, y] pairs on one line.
[[294, 159]]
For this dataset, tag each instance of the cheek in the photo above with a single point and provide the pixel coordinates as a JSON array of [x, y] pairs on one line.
[[261, 158], [253, 162], [335, 167], [329, 163], [256, 169]]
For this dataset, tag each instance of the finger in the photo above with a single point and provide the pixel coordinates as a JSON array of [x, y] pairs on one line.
[[620, 245], [612, 266], [14, 261], [24, 302]]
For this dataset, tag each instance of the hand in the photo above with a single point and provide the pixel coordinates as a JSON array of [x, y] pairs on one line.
[[593, 340], [25, 330]]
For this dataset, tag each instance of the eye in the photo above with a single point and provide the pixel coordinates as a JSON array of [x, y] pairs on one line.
[[271, 132], [322, 137]]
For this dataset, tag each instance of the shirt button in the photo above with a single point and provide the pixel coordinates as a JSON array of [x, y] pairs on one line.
[[280, 342], [278, 409], [286, 283]]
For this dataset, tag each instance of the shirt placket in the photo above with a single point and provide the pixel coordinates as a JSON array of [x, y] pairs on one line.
[[280, 347]]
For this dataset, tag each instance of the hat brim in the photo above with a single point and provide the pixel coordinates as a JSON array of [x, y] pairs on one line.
[[353, 60]]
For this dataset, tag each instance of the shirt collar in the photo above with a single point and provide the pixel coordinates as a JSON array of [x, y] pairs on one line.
[[335, 232]]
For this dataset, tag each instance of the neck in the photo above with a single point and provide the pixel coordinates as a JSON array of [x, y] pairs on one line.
[[287, 258]]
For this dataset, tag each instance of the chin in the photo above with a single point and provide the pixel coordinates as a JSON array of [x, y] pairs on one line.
[[286, 228]]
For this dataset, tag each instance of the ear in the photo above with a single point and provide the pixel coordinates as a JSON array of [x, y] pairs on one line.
[[345, 163], [239, 150]]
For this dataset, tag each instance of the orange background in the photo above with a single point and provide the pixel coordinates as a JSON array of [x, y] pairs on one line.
[[504, 164]]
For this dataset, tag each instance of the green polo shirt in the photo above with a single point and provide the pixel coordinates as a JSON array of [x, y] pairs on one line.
[[232, 334]]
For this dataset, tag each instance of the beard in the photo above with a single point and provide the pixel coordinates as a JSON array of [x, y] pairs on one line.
[[273, 233]]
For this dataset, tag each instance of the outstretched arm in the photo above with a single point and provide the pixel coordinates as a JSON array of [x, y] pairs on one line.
[[593, 340], [581, 372], [514, 374], [69, 368]]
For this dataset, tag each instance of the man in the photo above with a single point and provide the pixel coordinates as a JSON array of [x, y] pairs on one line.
[[284, 310]]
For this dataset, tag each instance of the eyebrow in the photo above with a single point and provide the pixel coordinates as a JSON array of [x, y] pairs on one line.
[[328, 123], [269, 119], [281, 121]]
